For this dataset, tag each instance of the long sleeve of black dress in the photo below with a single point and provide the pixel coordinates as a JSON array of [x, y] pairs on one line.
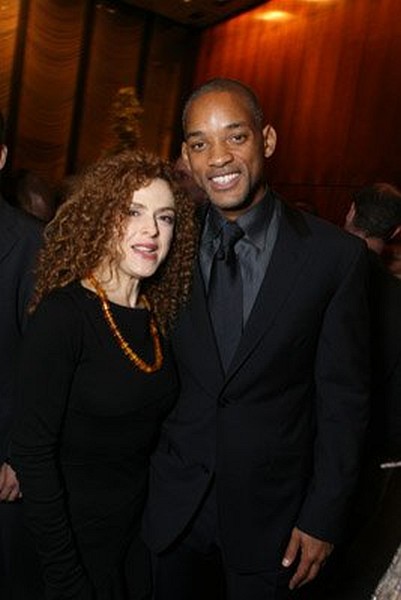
[[88, 421], [49, 355]]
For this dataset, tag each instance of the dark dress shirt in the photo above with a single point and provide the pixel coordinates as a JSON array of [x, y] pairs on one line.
[[253, 250]]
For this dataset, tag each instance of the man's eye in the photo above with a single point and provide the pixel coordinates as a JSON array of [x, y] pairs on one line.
[[197, 146], [238, 138]]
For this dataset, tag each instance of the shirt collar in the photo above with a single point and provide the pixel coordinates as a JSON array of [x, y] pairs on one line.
[[254, 222]]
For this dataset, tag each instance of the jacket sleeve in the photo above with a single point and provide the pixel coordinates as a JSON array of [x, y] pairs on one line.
[[342, 403], [17, 277]]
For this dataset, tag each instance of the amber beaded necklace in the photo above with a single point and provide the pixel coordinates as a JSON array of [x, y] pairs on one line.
[[132, 356]]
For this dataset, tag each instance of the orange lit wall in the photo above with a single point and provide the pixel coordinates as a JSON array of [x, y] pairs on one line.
[[61, 65], [328, 73]]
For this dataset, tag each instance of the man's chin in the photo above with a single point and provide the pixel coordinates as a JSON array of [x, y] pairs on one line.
[[231, 204]]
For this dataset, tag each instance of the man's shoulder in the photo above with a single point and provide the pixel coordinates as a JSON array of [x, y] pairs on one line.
[[24, 221], [321, 232], [19, 223]]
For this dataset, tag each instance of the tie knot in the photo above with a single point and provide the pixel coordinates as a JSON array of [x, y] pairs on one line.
[[230, 234]]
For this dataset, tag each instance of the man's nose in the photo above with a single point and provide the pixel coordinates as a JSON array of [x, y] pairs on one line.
[[219, 155]]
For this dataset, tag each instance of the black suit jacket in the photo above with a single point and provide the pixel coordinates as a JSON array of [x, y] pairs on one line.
[[282, 432], [20, 237], [384, 441]]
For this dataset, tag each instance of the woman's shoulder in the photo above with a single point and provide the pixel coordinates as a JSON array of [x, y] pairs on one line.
[[63, 304], [57, 322]]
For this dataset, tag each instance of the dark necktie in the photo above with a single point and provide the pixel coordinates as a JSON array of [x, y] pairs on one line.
[[225, 293]]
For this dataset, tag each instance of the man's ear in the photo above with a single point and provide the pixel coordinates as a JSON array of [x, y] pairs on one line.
[[269, 140], [350, 216], [3, 155]]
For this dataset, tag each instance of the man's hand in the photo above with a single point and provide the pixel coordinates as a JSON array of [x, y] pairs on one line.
[[9, 486], [313, 555]]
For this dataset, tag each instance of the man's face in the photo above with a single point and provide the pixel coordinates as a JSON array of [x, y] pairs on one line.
[[225, 151]]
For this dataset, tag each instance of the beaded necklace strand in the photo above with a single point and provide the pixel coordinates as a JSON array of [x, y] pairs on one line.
[[132, 356]]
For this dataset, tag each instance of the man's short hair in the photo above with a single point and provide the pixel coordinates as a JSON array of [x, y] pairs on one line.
[[378, 210], [222, 84]]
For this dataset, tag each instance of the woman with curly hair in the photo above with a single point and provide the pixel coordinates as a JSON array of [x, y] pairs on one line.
[[96, 374]]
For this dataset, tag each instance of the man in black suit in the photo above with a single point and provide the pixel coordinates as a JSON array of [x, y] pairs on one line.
[[20, 238], [375, 217], [257, 463]]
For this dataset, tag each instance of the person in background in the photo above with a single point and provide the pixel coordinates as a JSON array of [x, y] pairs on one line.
[[257, 463], [34, 195], [20, 239], [375, 217], [96, 373]]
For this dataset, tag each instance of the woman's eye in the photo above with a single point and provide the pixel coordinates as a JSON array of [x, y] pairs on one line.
[[133, 212], [169, 219]]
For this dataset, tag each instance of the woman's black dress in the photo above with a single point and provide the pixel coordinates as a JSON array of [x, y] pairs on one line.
[[88, 422]]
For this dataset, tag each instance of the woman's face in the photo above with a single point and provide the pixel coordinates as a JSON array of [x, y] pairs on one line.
[[148, 231]]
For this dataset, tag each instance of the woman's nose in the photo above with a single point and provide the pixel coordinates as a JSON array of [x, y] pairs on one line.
[[150, 226]]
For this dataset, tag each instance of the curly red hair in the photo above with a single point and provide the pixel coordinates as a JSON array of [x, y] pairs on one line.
[[84, 230]]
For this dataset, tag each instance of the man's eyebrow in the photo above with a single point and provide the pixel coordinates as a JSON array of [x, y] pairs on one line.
[[237, 124], [229, 126], [193, 134]]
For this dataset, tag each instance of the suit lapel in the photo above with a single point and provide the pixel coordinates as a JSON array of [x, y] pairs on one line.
[[194, 338]]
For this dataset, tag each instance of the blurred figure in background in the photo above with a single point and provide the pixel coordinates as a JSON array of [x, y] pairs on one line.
[[375, 217], [20, 238], [34, 195]]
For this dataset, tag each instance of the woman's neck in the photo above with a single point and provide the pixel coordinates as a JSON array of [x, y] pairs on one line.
[[122, 290]]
